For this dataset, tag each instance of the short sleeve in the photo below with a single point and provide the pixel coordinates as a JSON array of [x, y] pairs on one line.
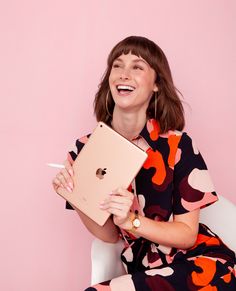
[[72, 155], [193, 187]]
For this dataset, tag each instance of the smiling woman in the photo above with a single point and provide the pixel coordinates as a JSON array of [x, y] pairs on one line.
[[157, 217], [141, 58]]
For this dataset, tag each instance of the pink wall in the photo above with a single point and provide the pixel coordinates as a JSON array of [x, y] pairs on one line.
[[52, 56]]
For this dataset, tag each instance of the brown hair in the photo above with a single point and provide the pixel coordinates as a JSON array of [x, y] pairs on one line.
[[169, 109]]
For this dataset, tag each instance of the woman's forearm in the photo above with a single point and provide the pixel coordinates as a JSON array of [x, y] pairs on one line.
[[171, 234], [108, 232]]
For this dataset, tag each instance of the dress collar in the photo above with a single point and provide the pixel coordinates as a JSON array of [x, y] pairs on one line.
[[150, 132]]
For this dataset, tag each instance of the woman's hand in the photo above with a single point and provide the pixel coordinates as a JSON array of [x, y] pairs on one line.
[[64, 178], [119, 204]]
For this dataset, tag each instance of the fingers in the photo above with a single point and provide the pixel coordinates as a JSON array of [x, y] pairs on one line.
[[56, 184], [64, 178], [119, 197], [118, 204], [123, 192], [69, 168], [121, 215], [123, 206], [60, 181]]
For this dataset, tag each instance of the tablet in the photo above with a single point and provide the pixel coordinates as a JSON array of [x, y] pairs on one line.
[[107, 161]]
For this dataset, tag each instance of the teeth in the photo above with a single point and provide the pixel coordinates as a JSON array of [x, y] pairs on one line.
[[124, 87]]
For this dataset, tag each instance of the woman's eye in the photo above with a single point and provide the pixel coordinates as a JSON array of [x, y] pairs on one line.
[[115, 66], [138, 67]]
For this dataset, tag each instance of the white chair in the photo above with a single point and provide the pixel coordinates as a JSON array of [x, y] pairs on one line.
[[220, 217], [106, 262]]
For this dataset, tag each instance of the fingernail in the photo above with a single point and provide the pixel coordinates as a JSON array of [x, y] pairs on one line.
[[101, 205], [68, 188], [71, 172], [71, 185]]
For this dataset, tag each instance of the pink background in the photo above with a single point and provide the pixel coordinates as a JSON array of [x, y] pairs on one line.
[[52, 56]]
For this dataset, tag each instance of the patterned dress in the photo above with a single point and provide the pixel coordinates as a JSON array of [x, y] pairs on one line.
[[173, 180]]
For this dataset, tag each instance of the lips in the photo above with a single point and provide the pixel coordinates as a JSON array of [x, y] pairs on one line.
[[124, 90]]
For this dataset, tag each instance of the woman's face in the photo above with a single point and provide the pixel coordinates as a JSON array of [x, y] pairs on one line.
[[132, 82]]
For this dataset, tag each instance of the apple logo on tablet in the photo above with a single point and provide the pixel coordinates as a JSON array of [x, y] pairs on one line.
[[100, 173]]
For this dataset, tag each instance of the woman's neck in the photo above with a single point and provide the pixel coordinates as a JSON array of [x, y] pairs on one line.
[[128, 124]]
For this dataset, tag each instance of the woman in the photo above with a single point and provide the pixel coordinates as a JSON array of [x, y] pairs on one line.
[[165, 247]]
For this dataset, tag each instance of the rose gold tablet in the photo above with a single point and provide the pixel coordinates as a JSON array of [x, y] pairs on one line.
[[107, 161]]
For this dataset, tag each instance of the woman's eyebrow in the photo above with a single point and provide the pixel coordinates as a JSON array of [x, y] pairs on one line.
[[134, 61], [140, 60]]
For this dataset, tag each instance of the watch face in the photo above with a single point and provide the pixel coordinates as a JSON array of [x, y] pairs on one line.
[[136, 222]]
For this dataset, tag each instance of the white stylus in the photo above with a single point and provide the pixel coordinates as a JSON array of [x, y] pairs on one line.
[[53, 165]]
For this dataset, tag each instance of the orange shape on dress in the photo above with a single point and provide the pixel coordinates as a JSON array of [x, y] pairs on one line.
[[155, 160], [173, 141], [208, 267]]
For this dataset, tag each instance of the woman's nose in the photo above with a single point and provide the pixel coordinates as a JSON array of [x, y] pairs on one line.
[[124, 74]]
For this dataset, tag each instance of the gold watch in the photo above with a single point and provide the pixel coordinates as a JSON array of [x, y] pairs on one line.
[[135, 222]]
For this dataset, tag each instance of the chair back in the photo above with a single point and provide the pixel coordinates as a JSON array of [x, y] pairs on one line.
[[220, 217]]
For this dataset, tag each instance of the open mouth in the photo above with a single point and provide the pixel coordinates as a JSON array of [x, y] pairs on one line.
[[125, 89]]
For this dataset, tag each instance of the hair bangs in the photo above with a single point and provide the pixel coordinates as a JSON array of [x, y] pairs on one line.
[[134, 46]]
